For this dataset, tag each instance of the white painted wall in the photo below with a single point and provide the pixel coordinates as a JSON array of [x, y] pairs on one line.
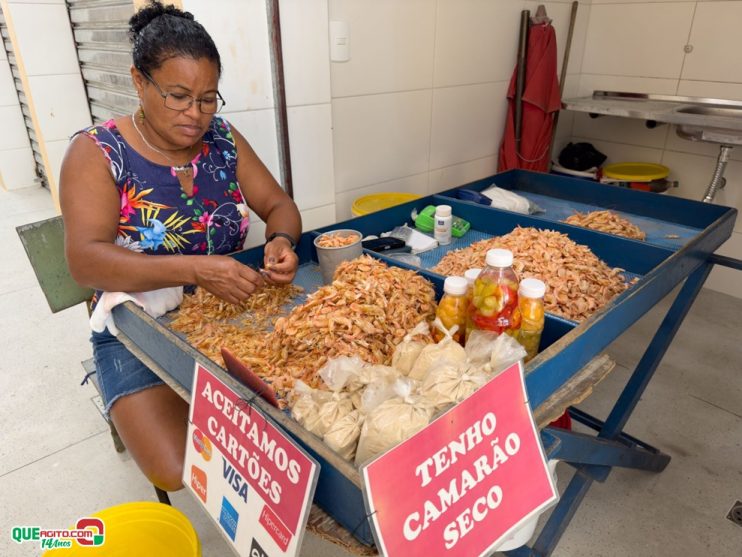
[[420, 106], [240, 30], [639, 47]]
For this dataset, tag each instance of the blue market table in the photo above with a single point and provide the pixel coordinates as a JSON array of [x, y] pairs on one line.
[[682, 236]]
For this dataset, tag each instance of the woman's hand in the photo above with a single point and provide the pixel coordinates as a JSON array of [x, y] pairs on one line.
[[226, 277], [280, 261]]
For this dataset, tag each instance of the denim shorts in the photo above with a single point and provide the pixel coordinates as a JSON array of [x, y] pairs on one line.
[[119, 372]]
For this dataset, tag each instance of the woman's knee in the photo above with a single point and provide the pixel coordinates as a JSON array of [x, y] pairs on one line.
[[168, 477]]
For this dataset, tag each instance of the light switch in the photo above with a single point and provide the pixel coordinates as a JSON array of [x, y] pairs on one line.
[[339, 41]]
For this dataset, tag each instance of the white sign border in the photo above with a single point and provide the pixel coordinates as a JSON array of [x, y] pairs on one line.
[[311, 486]]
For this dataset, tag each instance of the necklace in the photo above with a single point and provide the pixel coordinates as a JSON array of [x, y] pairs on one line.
[[185, 168]]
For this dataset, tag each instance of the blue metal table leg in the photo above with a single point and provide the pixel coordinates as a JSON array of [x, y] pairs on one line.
[[627, 401], [594, 423], [649, 362], [579, 448]]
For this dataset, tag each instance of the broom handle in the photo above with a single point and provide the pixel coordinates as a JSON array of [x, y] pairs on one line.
[[563, 75], [521, 75]]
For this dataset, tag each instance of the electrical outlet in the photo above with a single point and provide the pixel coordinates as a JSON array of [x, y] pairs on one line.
[[735, 513]]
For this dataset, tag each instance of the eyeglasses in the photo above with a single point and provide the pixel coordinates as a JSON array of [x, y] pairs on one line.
[[181, 101]]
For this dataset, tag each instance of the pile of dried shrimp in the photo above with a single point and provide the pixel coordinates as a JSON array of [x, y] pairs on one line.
[[607, 221], [365, 312], [209, 322], [578, 283], [335, 240]]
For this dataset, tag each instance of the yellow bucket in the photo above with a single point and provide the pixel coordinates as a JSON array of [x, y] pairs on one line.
[[143, 529], [636, 171], [378, 201]]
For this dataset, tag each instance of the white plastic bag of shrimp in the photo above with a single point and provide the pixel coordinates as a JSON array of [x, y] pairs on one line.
[[447, 349], [393, 421], [305, 402], [337, 407], [342, 436], [407, 351], [448, 384]]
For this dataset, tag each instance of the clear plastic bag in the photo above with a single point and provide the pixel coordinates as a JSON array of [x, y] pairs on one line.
[[409, 349], [505, 199], [370, 374], [479, 346], [447, 384], [340, 371], [342, 436], [375, 393], [305, 402], [337, 407], [446, 350], [506, 351], [392, 422]]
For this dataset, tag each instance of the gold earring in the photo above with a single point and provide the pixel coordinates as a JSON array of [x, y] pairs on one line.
[[141, 114]]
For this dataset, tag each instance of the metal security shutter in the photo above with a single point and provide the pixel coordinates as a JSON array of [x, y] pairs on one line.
[[8, 46], [104, 52]]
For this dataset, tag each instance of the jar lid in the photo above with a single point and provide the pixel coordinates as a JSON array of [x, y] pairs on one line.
[[471, 275], [499, 258], [443, 211], [531, 288], [455, 286]]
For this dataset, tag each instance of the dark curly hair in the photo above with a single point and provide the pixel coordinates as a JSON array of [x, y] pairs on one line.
[[159, 32]]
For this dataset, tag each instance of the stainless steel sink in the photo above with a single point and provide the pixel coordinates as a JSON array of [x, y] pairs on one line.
[[711, 132], [712, 110], [695, 118]]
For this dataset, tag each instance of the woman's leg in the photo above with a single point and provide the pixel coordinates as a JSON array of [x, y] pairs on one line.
[[153, 425]]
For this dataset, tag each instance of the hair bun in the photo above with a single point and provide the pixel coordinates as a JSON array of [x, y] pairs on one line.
[[150, 12]]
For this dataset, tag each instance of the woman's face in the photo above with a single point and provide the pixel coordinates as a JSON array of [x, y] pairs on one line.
[[179, 76]]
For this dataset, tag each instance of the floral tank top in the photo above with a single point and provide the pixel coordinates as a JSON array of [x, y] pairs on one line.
[[157, 217]]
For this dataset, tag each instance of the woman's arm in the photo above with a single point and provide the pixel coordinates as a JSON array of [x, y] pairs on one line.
[[273, 206], [90, 208]]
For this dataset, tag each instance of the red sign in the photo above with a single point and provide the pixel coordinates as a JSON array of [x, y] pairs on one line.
[[270, 463], [469, 478], [275, 528]]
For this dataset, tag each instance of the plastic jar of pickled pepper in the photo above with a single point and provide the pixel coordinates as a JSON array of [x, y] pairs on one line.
[[494, 303], [531, 303], [452, 308]]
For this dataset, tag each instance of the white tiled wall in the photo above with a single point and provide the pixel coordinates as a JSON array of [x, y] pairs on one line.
[[240, 30], [381, 137], [639, 46], [420, 105], [306, 65], [391, 46]]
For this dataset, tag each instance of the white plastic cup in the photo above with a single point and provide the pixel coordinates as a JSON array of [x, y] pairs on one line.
[[522, 535], [330, 258]]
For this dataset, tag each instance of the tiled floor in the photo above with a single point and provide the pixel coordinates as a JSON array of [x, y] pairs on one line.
[[57, 461]]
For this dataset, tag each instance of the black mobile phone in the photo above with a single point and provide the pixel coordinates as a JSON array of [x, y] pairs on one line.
[[381, 245]]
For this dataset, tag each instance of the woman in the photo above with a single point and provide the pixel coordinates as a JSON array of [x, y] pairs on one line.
[[154, 199]]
